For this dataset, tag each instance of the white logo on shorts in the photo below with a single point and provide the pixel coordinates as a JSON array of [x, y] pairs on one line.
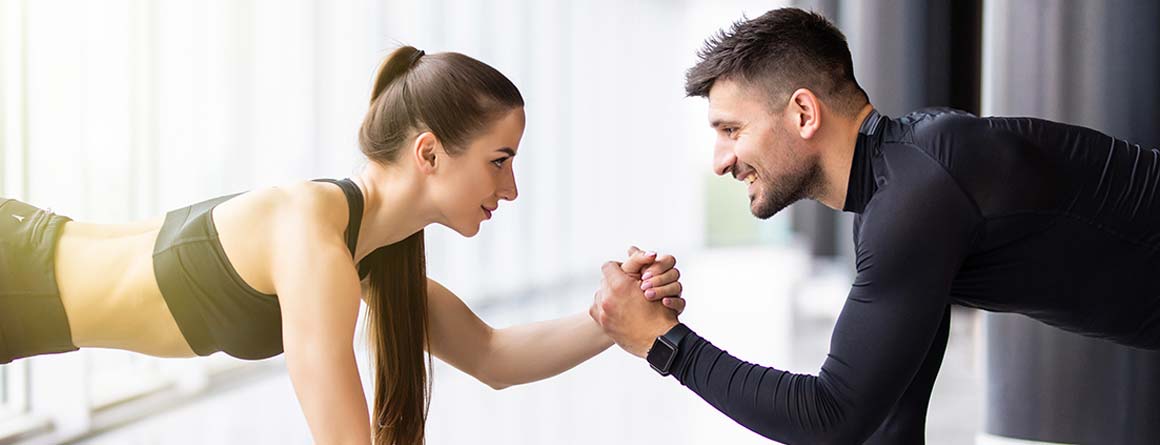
[[18, 218]]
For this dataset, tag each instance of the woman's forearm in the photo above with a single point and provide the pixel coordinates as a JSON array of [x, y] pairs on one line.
[[536, 351]]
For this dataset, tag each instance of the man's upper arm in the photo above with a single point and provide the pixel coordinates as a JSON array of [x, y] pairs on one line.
[[913, 238], [906, 422], [915, 234]]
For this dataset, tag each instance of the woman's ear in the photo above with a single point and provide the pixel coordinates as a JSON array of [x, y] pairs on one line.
[[424, 150], [806, 111]]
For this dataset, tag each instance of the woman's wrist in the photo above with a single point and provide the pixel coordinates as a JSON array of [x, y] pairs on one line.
[[597, 332]]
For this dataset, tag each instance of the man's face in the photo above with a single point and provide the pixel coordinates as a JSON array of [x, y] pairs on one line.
[[760, 146]]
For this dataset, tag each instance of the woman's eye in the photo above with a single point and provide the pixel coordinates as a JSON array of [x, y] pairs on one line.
[[499, 162]]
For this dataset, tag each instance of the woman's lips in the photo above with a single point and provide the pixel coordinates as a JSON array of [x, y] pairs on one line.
[[486, 212]]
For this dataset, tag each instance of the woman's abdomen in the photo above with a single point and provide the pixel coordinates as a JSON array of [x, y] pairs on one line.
[[106, 282]]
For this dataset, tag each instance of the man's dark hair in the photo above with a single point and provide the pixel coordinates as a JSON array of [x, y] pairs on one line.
[[779, 52]]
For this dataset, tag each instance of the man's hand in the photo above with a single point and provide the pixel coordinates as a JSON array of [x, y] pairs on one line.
[[623, 310]]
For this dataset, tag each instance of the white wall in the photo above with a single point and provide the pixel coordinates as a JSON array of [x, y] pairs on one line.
[[120, 110]]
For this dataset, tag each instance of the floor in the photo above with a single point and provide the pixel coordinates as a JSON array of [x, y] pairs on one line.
[[749, 301]]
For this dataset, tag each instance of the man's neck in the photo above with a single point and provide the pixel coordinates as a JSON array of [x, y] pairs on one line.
[[837, 156]]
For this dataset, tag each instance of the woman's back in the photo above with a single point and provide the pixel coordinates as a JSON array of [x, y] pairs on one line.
[[109, 283]]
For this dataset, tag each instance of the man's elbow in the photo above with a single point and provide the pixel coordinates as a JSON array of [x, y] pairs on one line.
[[849, 431], [843, 430], [820, 438]]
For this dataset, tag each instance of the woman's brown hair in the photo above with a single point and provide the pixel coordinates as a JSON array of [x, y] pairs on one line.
[[455, 98]]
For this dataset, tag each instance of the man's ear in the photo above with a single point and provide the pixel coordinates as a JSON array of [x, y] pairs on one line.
[[425, 152], [806, 111]]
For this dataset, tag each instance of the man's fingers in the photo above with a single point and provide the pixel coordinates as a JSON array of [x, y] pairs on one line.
[[675, 303], [636, 262], [608, 268], [596, 310]]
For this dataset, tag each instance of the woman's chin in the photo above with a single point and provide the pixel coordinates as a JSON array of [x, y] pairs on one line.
[[468, 230]]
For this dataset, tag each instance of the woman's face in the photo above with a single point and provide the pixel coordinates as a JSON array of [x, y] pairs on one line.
[[467, 187]]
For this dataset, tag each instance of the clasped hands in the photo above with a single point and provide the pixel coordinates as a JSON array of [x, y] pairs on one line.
[[638, 300]]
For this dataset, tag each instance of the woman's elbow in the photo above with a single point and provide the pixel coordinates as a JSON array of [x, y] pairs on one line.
[[491, 378], [497, 385], [493, 382]]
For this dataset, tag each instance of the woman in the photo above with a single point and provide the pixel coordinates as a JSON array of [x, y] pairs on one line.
[[280, 269]]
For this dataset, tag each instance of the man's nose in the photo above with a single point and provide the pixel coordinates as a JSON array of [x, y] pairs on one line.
[[723, 160]]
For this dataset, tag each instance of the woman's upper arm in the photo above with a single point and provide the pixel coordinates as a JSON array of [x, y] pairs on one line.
[[458, 336], [318, 291]]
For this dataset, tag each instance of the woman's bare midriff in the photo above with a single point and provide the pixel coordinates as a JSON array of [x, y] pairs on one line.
[[108, 287], [105, 276]]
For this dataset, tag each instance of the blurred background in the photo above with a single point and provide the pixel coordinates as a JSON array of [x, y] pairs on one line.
[[119, 110]]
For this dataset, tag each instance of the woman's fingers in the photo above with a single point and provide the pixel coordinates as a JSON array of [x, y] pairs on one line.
[[668, 290], [638, 261], [672, 276], [660, 265]]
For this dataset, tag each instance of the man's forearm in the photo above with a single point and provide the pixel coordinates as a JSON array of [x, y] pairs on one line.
[[790, 408]]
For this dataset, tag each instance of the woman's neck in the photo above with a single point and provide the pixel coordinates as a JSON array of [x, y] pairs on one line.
[[394, 207]]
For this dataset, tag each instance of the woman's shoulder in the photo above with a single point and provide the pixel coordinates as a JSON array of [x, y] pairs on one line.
[[283, 222], [300, 208]]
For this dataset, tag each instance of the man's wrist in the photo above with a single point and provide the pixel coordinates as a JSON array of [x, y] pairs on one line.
[[662, 357], [660, 331]]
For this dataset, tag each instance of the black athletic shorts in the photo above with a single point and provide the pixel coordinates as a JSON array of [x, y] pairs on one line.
[[32, 318]]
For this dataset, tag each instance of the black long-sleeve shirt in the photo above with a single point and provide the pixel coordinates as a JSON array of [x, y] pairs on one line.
[[1054, 221]]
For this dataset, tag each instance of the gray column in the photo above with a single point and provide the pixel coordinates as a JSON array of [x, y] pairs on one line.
[[1095, 64]]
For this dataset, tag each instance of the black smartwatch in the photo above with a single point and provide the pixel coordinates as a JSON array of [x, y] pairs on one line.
[[665, 348]]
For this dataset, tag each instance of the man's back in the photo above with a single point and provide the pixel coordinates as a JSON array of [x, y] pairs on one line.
[[1068, 224]]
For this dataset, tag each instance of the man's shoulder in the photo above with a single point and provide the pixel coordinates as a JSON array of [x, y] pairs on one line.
[[942, 141], [915, 177], [933, 114], [936, 125]]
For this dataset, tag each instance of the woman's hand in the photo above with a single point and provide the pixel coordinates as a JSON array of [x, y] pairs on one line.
[[660, 279]]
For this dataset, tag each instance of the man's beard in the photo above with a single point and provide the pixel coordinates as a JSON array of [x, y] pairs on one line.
[[778, 193]]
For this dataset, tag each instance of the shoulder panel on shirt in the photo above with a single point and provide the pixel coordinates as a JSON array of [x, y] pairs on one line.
[[1002, 170], [916, 195]]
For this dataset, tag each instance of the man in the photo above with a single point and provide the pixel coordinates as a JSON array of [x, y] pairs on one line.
[[1058, 222]]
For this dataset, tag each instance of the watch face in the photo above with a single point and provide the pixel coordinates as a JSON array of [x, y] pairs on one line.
[[661, 356]]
